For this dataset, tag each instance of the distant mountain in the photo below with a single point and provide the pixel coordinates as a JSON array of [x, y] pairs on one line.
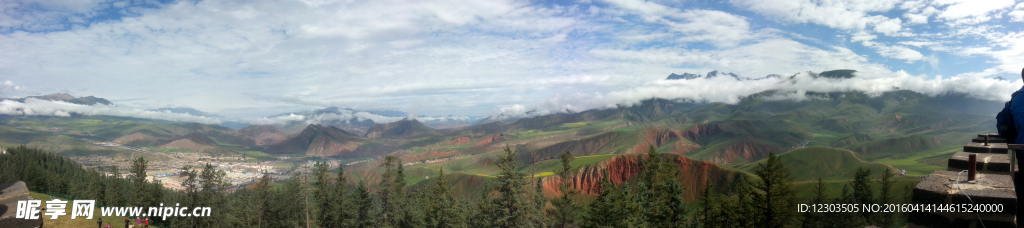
[[263, 135], [402, 129], [713, 74], [838, 74], [683, 76], [192, 142], [359, 121], [90, 100], [321, 141]]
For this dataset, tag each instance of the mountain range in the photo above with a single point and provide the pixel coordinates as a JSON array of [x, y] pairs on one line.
[[901, 128], [713, 74]]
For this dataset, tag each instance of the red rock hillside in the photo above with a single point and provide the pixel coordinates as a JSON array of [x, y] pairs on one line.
[[624, 167]]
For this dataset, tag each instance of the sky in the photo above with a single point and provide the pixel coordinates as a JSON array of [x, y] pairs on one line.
[[245, 60]]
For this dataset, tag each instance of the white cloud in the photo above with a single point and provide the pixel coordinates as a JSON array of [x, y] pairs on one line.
[[916, 18], [716, 27], [277, 120], [730, 91], [845, 15], [895, 51], [971, 12], [347, 115], [1017, 15], [39, 107], [457, 56], [770, 56]]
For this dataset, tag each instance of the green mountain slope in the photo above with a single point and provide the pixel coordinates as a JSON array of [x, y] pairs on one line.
[[811, 163]]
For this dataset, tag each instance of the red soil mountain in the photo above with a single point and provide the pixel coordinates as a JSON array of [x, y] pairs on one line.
[[694, 175], [263, 135], [318, 140], [192, 142], [402, 129]]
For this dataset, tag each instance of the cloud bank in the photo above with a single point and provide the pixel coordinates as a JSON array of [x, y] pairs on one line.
[[791, 87], [37, 107]]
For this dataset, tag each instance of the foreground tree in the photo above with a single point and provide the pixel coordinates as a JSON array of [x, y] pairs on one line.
[[365, 213], [773, 195], [816, 219], [511, 207], [443, 212], [340, 203], [663, 193], [565, 211], [322, 187], [862, 193]]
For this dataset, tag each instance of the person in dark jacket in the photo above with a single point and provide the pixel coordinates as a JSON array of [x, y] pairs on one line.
[[1016, 109]]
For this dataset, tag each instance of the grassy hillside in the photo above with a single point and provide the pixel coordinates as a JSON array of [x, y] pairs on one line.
[[811, 163]]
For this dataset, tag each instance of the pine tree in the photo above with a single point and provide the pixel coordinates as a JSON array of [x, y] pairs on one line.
[[707, 206], [849, 219], [885, 197], [565, 211], [816, 219], [443, 212], [214, 187], [114, 189], [599, 213], [774, 196], [392, 195], [340, 204], [138, 179], [322, 194], [511, 205], [262, 197], [862, 193], [364, 207], [485, 211], [663, 193]]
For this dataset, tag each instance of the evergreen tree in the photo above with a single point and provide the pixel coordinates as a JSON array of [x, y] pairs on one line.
[[599, 213], [774, 196], [862, 193], [261, 196], [341, 205], [885, 197], [392, 195], [364, 204], [139, 196], [115, 192], [537, 218], [816, 219], [190, 198], [632, 206], [565, 211], [485, 211], [443, 212], [322, 196], [212, 194], [707, 206], [663, 193], [512, 207]]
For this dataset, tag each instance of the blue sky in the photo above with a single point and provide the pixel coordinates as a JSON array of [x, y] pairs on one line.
[[247, 59]]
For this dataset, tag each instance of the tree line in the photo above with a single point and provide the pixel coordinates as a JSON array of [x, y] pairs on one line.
[[320, 198]]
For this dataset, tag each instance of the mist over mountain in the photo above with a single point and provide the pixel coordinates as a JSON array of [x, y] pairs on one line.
[[731, 88], [358, 121], [713, 74], [89, 100]]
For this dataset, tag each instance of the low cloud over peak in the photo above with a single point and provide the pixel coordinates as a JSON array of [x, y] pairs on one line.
[[792, 87]]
